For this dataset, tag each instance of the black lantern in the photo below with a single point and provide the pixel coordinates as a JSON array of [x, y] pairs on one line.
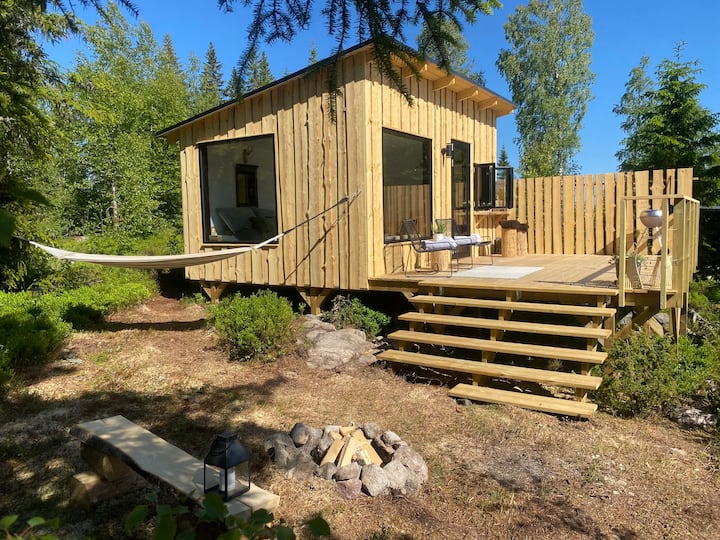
[[227, 467]]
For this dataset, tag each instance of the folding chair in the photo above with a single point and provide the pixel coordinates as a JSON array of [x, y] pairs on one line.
[[450, 225], [409, 227]]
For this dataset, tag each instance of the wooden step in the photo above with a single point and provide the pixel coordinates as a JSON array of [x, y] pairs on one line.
[[521, 349], [510, 326], [542, 376], [457, 282], [536, 307], [567, 407]]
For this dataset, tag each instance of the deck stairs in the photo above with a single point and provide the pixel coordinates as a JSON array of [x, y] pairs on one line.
[[540, 345]]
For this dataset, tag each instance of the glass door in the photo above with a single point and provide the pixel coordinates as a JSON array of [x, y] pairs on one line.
[[460, 186]]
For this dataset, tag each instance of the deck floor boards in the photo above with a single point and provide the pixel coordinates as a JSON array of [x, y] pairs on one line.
[[559, 273]]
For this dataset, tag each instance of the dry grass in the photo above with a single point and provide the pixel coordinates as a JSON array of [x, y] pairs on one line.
[[495, 472]]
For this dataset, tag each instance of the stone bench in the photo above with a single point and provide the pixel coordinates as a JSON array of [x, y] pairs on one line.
[[115, 446]]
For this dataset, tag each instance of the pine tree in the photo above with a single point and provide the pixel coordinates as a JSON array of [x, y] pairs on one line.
[[456, 49], [382, 22], [548, 70], [256, 75], [313, 58], [503, 159], [211, 81], [667, 127], [231, 90]]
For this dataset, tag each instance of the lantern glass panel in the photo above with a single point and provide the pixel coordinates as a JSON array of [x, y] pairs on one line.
[[227, 467]]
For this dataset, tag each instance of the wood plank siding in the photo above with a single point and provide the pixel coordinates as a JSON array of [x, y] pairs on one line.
[[318, 161]]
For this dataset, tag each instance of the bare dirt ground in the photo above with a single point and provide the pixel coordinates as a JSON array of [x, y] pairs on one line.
[[495, 472]]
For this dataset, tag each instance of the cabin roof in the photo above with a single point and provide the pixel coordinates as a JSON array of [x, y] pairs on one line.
[[428, 70]]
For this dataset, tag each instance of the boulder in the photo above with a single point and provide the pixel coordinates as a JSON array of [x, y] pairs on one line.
[[349, 489], [374, 480], [413, 461]]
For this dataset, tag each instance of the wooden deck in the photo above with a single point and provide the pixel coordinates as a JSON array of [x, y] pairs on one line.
[[568, 274], [545, 328]]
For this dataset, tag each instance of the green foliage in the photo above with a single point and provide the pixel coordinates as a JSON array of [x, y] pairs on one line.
[[547, 68], [646, 373], [666, 127], [210, 90], [253, 327], [30, 330], [33, 328], [349, 312], [456, 47], [212, 520], [382, 22], [35, 528], [116, 173]]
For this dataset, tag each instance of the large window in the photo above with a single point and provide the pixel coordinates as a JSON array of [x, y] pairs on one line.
[[238, 187], [407, 175]]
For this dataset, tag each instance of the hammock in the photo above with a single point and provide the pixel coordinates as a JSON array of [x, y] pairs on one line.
[[151, 261], [174, 261]]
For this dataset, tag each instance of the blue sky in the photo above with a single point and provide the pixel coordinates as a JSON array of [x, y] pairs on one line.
[[624, 30]]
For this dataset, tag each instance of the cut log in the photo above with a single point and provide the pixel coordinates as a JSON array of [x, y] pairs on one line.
[[365, 446], [348, 451], [334, 450], [347, 430]]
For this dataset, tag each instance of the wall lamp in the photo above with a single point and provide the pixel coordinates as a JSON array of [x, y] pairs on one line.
[[449, 150]]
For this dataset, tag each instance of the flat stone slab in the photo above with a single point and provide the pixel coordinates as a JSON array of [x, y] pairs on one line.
[[156, 459]]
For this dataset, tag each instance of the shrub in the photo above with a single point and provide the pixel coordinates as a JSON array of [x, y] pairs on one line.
[[213, 520], [349, 312], [256, 326], [29, 331], [647, 372]]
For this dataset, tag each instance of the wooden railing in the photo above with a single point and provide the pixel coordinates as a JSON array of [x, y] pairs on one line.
[[573, 215], [674, 249]]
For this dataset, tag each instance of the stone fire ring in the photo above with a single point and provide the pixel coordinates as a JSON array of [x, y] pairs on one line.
[[360, 459]]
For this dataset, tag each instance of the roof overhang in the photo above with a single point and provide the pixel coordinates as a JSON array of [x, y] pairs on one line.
[[441, 79]]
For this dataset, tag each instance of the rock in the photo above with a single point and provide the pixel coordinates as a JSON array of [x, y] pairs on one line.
[[690, 416], [664, 320], [343, 349], [413, 461], [278, 440], [326, 471], [384, 451], [371, 430], [374, 480], [302, 468], [305, 437], [280, 456], [391, 438], [397, 475], [412, 485], [348, 472], [331, 428], [322, 446], [349, 489]]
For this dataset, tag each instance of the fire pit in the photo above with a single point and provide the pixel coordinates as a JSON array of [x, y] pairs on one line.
[[360, 459]]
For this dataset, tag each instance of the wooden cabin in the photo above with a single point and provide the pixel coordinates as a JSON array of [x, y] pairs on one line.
[[253, 168], [267, 164]]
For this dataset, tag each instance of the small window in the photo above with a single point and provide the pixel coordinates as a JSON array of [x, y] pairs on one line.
[[493, 186]]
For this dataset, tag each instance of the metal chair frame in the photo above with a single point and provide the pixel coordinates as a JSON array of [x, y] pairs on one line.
[[420, 245], [463, 240]]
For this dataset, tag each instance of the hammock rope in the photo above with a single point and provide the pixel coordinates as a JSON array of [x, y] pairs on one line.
[[177, 261]]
